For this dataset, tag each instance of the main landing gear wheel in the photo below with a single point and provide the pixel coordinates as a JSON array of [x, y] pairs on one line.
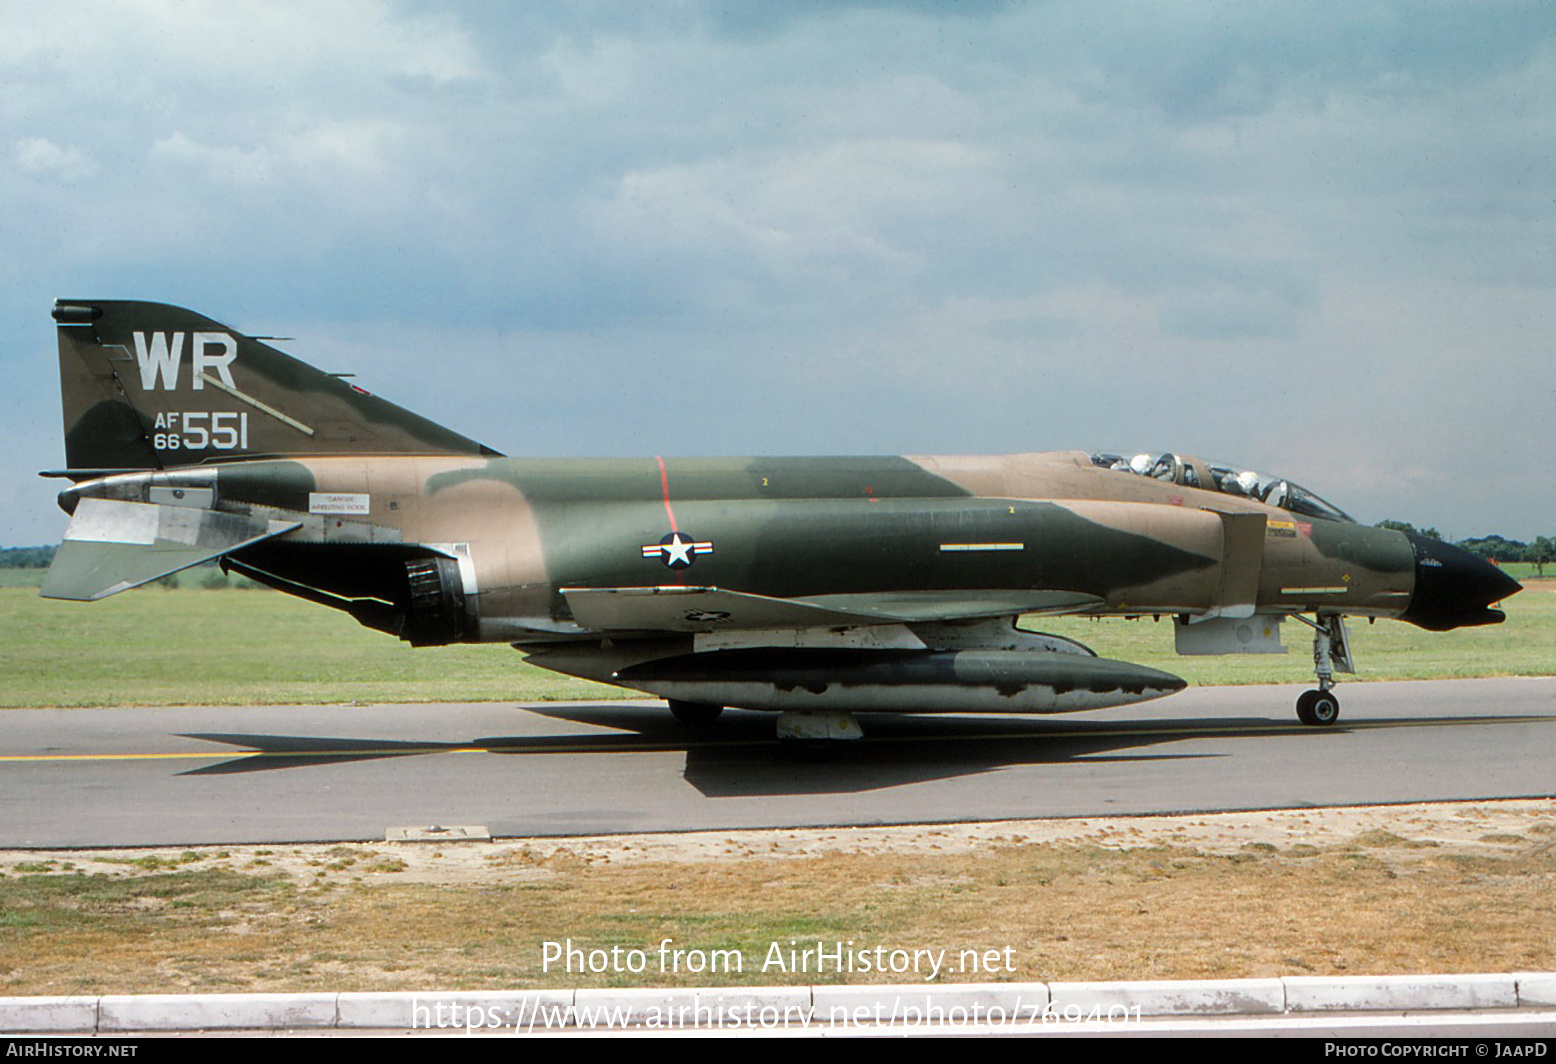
[[694, 714], [1319, 708]]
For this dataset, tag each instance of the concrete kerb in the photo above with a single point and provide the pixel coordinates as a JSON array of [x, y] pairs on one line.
[[919, 1004], [1403, 992], [204, 1012]]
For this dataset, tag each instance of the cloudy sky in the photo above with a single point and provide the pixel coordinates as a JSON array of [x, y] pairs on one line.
[[1316, 239]]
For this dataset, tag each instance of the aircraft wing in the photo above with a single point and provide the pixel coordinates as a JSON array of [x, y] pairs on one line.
[[709, 609], [112, 546]]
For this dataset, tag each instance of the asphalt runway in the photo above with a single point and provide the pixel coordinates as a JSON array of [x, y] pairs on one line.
[[270, 774]]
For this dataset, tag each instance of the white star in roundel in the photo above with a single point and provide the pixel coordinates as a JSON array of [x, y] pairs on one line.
[[677, 550]]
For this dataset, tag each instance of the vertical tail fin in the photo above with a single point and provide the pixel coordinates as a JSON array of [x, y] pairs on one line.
[[150, 386]]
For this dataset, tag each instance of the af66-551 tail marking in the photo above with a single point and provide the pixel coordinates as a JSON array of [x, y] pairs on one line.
[[199, 430]]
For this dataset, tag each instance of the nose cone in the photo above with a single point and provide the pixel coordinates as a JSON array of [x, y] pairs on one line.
[[1454, 588]]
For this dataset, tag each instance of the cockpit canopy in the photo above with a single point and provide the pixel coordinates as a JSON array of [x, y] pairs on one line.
[[1194, 472]]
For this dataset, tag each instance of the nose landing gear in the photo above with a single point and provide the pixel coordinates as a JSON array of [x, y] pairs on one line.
[[1331, 654]]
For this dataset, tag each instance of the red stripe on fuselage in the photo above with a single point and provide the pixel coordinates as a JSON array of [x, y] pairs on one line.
[[664, 484]]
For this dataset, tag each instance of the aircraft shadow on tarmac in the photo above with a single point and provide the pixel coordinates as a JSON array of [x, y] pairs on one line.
[[739, 757]]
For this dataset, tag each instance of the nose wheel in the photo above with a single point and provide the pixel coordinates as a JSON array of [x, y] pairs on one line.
[[1318, 708], [1331, 654]]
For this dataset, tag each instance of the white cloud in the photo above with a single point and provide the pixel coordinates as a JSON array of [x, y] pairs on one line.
[[218, 166], [42, 157]]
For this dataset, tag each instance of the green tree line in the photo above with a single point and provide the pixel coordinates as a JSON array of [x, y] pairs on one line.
[[26, 557], [1540, 553]]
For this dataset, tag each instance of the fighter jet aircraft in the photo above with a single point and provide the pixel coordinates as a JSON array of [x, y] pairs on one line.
[[818, 587]]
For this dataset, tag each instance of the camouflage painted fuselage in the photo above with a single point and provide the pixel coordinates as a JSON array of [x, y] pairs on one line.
[[523, 531], [841, 583]]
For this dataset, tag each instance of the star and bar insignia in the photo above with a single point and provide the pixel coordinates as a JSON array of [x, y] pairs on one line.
[[677, 550]]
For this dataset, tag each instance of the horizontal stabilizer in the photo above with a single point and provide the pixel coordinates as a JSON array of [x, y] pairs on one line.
[[711, 609], [112, 546]]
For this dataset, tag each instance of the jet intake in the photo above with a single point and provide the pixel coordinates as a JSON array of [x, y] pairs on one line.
[[902, 681]]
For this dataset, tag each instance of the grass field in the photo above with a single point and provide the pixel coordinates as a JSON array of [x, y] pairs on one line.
[[1527, 571], [155, 646], [194, 646], [22, 577]]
